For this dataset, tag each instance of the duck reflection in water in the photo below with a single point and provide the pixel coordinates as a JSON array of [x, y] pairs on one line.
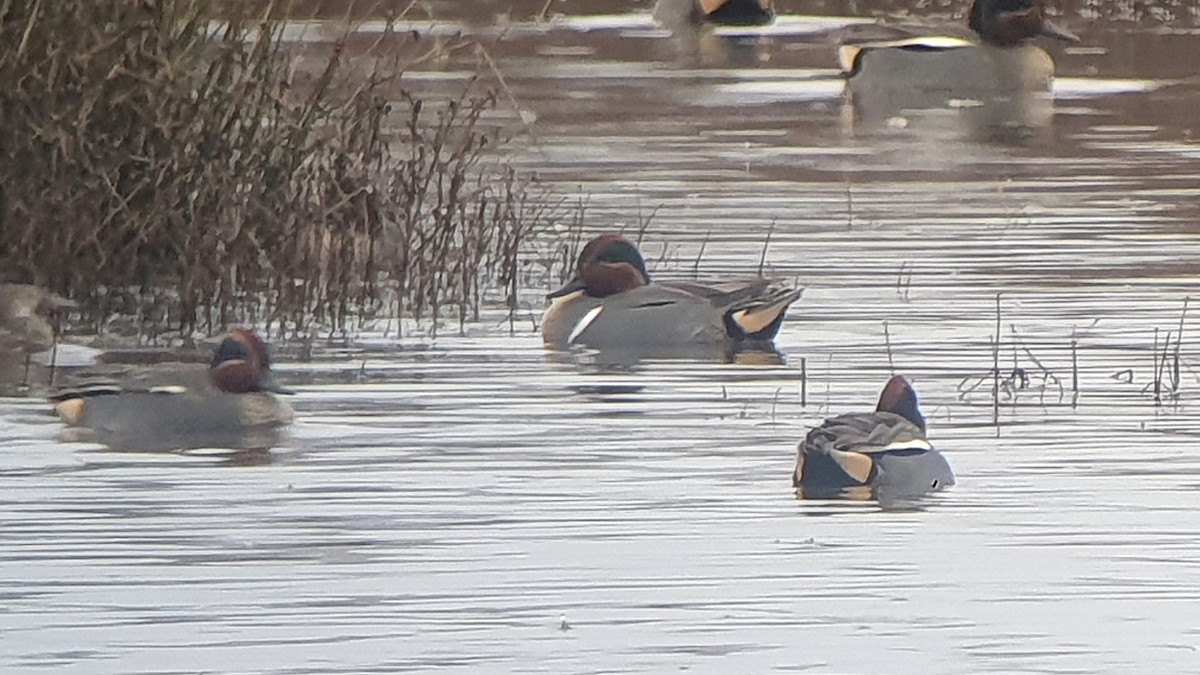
[[882, 455], [613, 308], [997, 87]]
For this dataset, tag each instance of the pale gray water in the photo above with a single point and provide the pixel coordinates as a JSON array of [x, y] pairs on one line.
[[444, 501]]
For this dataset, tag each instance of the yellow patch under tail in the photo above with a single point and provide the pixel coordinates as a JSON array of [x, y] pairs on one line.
[[70, 411], [754, 320], [847, 54], [856, 465]]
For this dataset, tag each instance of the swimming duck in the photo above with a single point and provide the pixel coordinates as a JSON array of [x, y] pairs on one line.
[[676, 14], [611, 304], [229, 403], [929, 72], [883, 454]]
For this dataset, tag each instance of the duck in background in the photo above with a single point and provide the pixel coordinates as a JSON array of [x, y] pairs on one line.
[[28, 315], [697, 45], [1002, 80], [883, 455], [229, 403], [611, 304], [680, 14]]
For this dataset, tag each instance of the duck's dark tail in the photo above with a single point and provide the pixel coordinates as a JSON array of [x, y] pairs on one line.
[[760, 318]]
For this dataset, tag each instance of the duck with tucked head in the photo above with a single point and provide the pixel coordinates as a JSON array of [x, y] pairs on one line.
[[883, 455], [229, 403], [677, 14], [27, 317], [611, 304], [921, 72]]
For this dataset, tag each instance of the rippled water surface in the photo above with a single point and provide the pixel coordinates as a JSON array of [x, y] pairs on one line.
[[463, 504]]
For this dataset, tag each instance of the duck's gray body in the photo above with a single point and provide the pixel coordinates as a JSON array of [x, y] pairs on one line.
[[684, 317], [989, 88], [918, 73], [650, 316], [174, 407], [148, 421], [879, 451]]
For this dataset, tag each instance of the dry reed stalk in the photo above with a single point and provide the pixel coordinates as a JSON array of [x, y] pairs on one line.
[[700, 255], [1074, 373], [887, 341], [996, 369], [762, 258], [803, 382]]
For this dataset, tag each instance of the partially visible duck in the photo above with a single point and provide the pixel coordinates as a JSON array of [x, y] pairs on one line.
[[1009, 23], [921, 72], [27, 318], [229, 403], [883, 454], [677, 14], [611, 304]]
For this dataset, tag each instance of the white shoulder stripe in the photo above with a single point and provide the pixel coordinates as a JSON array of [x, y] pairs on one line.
[[914, 444], [584, 323]]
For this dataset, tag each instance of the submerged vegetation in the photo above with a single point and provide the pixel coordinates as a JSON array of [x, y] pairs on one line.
[[190, 172]]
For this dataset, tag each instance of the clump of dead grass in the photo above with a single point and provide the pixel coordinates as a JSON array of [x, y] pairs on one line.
[[190, 171]]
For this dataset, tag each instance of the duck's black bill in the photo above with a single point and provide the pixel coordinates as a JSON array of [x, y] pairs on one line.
[[572, 286], [1051, 30]]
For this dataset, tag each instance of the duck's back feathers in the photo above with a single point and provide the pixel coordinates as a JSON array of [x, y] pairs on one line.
[[867, 433]]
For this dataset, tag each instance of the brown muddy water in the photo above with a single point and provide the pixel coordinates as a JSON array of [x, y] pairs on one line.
[[445, 504]]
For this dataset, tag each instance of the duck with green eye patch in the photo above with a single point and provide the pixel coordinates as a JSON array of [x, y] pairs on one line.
[[611, 304]]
